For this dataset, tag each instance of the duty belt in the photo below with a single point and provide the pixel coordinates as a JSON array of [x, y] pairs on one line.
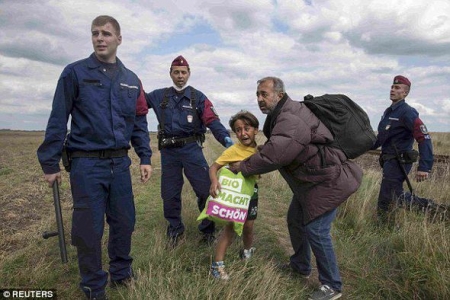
[[100, 153], [189, 139], [386, 157], [174, 142]]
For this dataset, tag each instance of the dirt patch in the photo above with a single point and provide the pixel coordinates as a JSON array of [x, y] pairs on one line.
[[26, 202]]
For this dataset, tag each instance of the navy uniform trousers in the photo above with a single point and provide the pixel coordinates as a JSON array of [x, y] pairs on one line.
[[189, 158], [99, 187], [391, 191]]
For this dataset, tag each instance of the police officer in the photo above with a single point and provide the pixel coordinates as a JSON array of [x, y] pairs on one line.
[[108, 110], [183, 114], [400, 125]]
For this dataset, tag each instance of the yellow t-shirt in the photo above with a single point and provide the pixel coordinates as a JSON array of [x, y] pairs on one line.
[[236, 152]]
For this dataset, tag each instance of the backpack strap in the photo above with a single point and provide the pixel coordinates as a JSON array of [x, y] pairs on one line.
[[322, 155]]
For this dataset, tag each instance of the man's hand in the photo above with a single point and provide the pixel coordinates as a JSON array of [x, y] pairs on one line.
[[421, 176], [235, 167], [50, 178], [146, 172]]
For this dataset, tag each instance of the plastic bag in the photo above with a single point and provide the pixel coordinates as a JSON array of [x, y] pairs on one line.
[[231, 205]]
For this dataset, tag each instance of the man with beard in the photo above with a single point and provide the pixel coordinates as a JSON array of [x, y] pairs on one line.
[[320, 177]]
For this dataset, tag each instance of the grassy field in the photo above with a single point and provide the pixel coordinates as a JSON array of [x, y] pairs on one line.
[[411, 261]]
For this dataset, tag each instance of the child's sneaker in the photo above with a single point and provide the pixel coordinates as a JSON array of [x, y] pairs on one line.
[[247, 253], [218, 270], [325, 293]]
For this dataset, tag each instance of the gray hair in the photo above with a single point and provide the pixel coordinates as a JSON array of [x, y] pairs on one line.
[[278, 84]]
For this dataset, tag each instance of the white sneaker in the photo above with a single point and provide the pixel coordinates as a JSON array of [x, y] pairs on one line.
[[247, 253], [218, 271], [325, 293]]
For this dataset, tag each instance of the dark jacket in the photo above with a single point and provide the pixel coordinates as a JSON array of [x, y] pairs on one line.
[[400, 125], [186, 114], [296, 139], [105, 114]]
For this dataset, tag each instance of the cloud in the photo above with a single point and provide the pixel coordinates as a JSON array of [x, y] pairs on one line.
[[408, 27], [316, 47]]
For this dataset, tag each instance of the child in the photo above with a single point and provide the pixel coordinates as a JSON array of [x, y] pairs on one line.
[[245, 126]]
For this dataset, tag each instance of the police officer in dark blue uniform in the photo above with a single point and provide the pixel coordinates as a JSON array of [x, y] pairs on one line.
[[183, 114], [400, 125], [108, 110]]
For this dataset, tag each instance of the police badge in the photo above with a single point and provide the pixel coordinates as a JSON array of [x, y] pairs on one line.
[[423, 129]]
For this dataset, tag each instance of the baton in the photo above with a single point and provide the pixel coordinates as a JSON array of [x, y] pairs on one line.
[[402, 167], [59, 223]]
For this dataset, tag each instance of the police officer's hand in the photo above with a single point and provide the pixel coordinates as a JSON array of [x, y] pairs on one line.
[[50, 178], [421, 176], [228, 142], [146, 172]]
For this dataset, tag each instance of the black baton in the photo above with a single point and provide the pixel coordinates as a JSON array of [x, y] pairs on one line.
[[59, 223], [402, 167]]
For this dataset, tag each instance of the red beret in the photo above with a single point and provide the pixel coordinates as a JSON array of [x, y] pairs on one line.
[[399, 79], [180, 61]]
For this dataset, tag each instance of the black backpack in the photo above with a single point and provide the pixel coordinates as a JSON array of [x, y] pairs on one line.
[[346, 120]]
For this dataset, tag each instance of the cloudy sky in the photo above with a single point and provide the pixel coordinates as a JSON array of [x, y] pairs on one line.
[[354, 47]]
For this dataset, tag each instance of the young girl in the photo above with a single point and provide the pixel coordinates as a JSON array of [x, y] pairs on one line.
[[245, 126]]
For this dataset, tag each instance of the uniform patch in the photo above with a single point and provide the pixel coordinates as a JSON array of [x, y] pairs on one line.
[[214, 111], [129, 86], [423, 129]]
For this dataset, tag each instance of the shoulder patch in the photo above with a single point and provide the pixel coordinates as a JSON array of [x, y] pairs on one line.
[[423, 129]]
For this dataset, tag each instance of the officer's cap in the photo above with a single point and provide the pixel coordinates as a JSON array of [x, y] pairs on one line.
[[180, 61], [399, 79]]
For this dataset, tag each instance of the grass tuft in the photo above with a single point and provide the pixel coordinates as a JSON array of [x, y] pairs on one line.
[[408, 260]]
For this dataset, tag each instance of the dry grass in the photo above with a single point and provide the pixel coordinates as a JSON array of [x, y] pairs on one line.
[[441, 142], [26, 203], [411, 261]]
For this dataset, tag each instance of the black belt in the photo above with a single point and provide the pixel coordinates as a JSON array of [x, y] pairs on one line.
[[189, 139], [100, 153], [177, 142], [387, 157]]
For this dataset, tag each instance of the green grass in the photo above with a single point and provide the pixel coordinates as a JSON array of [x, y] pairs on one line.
[[410, 260]]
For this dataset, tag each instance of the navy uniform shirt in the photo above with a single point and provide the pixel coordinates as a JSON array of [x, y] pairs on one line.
[[181, 118], [105, 113], [401, 124]]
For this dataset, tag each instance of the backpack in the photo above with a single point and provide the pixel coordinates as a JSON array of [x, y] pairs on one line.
[[346, 120]]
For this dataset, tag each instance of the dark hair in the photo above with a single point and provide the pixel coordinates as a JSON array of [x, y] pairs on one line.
[[189, 70], [102, 20], [245, 116]]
